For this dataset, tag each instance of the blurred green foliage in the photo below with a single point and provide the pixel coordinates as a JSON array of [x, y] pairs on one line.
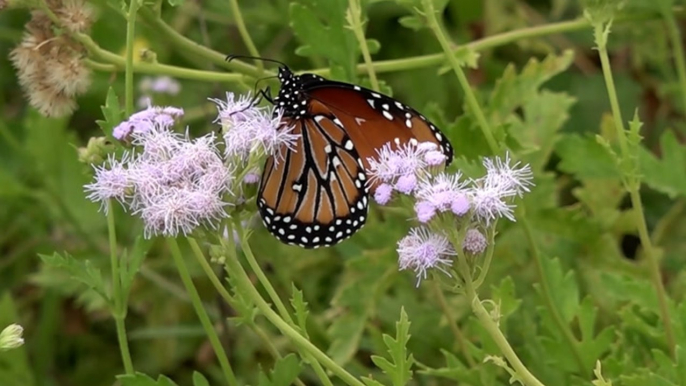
[[547, 99]]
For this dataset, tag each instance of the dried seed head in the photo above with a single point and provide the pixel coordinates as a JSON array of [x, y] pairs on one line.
[[75, 15]]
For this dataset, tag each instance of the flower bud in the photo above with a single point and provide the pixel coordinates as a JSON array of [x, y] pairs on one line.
[[11, 338]]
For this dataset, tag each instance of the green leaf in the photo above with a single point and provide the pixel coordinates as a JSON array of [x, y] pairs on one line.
[[563, 288], [584, 157], [300, 307], [131, 263], [82, 271], [320, 26], [399, 368], [199, 379], [112, 112], [455, 370], [413, 22], [668, 173], [592, 346], [140, 379], [504, 296], [14, 364], [175, 3], [285, 371]]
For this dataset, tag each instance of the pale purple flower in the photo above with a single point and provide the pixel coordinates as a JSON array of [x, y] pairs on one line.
[[422, 250], [160, 84], [444, 192], [434, 157], [425, 211], [406, 183], [474, 242], [383, 194], [500, 173], [144, 121], [248, 128], [489, 203], [112, 181], [393, 161], [252, 177]]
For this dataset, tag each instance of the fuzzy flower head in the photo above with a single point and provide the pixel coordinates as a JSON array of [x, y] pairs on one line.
[[159, 85], [144, 121], [11, 337], [422, 250], [474, 242], [442, 193], [400, 166], [249, 129], [173, 183], [500, 173]]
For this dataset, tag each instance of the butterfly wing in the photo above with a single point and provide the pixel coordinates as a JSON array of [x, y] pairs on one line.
[[314, 193]]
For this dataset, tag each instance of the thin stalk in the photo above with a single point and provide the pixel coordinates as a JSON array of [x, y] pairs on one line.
[[355, 20], [245, 35], [200, 257], [200, 311], [119, 312], [491, 327], [459, 337], [461, 77], [572, 342], [255, 266], [634, 192], [245, 286], [130, 36], [679, 60]]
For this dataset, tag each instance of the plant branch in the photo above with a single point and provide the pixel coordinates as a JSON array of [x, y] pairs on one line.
[[355, 20], [130, 37], [457, 333], [245, 35]]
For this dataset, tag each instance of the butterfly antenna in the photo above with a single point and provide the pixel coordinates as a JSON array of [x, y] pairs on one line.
[[232, 57]]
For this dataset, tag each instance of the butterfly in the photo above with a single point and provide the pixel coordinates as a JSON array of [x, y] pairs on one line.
[[316, 193]]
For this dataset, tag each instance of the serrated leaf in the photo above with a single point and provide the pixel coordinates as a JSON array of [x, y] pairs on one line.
[[504, 296], [668, 173], [399, 368], [300, 307], [82, 271], [584, 157], [563, 288], [140, 379], [455, 370], [592, 346], [112, 112], [321, 27], [131, 262], [285, 371], [199, 379]]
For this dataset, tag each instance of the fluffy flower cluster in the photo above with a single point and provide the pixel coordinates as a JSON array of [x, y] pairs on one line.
[[251, 130], [173, 183], [50, 66], [145, 120], [397, 167], [474, 203]]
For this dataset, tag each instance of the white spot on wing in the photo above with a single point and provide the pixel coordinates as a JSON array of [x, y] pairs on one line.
[[388, 115]]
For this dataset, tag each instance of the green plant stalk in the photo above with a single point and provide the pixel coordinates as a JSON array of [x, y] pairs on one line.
[[245, 35], [491, 327], [459, 337], [679, 60], [242, 281], [355, 20], [200, 311], [469, 94], [119, 312], [572, 342], [634, 192], [130, 37], [255, 266]]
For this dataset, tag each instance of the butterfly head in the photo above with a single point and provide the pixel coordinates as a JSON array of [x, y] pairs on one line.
[[291, 99]]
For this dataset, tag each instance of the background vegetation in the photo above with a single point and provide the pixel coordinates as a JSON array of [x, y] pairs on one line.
[[586, 274]]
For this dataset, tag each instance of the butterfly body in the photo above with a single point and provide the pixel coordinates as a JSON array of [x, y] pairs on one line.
[[316, 193]]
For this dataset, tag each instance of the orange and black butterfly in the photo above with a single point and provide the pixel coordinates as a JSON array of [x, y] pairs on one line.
[[316, 193]]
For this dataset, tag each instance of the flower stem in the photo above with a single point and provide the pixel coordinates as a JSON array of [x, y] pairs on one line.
[[243, 30], [242, 281], [633, 186], [680, 61], [491, 327], [459, 337], [119, 312], [255, 266], [355, 20], [130, 36], [200, 311], [461, 77], [572, 342]]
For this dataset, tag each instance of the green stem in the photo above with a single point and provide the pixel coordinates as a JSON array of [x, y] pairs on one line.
[[680, 61], [130, 36], [244, 284], [459, 337], [491, 327], [462, 78], [200, 311], [355, 20], [247, 40], [572, 342], [119, 312], [633, 187], [255, 266]]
